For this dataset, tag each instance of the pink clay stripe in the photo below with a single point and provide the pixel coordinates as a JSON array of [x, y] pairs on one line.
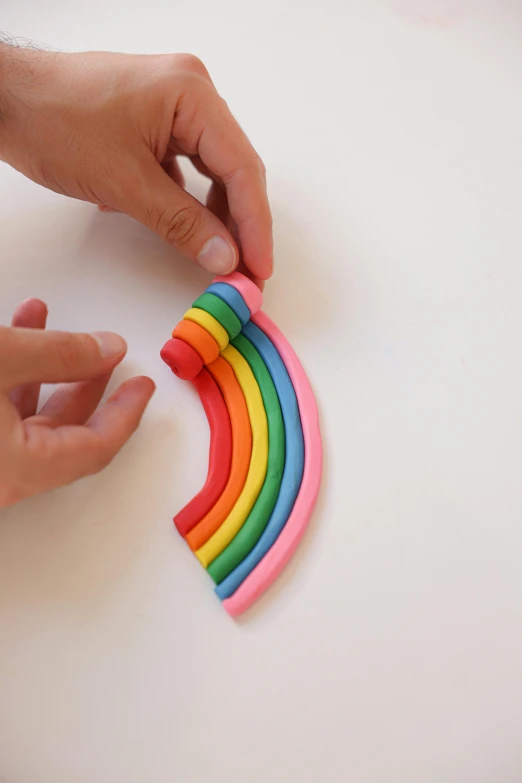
[[276, 559], [248, 290]]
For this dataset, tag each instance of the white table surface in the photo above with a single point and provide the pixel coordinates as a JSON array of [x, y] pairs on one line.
[[391, 650]]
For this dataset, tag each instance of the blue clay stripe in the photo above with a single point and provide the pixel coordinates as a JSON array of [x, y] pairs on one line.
[[233, 299], [294, 462]]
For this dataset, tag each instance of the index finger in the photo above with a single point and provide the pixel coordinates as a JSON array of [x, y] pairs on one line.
[[53, 457], [226, 151], [31, 314]]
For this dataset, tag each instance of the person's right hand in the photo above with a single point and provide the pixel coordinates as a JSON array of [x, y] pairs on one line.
[[109, 128], [68, 438]]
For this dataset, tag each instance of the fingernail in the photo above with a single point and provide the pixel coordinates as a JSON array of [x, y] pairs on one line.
[[217, 256], [111, 345]]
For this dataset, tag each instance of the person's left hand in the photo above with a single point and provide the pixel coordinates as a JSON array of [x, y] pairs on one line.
[[68, 438]]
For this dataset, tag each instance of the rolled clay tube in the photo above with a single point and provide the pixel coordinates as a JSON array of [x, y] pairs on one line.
[[199, 339], [258, 518], [248, 290], [233, 298], [220, 453], [182, 359], [267, 571], [294, 462], [258, 462], [235, 401], [208, 322], [219, 309]]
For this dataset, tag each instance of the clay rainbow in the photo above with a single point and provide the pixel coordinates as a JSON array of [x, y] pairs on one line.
[[265, 457]]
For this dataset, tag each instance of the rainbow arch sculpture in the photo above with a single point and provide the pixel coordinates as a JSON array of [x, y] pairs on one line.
[[265, 457]]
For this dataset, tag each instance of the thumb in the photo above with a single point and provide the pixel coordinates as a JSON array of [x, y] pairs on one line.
[[32, 355], [182, 220]]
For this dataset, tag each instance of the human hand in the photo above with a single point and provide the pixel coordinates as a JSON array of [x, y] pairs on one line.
[[68, 438], [108, 128]]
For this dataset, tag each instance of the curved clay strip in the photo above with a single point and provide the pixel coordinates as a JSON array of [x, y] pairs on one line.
[[258, 518], [258, 462], [294, 462], [276, 559], [235, 401], [220, 453], [208, 322], [233, 298], [220, 311]]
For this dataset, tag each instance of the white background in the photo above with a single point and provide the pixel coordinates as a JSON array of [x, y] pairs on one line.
[[391, 650]]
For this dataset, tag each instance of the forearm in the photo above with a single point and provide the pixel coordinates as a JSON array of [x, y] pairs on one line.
[[29, 118], [5, 52], [12, 59], [25, 72]]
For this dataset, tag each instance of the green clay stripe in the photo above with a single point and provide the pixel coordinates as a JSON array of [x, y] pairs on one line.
[[221, 312], [257, 520]]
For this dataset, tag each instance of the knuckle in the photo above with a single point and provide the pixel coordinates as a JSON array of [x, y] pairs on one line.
[[258, 164], [191, 63], [181, 227], [226, 118]]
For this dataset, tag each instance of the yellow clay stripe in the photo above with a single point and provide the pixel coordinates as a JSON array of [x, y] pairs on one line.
[[209, 323]]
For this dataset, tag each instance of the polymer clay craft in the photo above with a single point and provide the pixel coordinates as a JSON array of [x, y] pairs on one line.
[[265, 457]]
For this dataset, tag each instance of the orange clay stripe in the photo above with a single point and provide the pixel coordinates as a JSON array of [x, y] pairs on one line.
[[226, 379], [202, 342]]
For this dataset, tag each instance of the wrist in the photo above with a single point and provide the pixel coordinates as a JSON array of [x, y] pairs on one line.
[[4, 108], [20, 84], [8, 56]]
